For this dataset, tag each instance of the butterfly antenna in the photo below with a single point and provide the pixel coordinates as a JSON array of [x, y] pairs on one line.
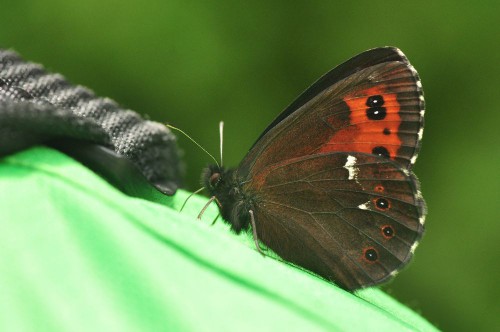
[[192, 140], [221, 132]]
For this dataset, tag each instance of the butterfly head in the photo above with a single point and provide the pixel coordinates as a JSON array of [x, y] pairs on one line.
[[234, 202]]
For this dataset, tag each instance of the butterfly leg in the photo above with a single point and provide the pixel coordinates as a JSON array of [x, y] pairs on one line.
[[217, 217], [254, 231], [213, 198], [190, 195]]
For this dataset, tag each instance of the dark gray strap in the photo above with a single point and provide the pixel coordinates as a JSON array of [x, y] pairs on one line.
[[38, 107]]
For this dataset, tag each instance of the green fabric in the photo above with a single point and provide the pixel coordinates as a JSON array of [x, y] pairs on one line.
[[78, 255]]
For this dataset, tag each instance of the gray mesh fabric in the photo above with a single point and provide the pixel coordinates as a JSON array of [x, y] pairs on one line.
[[37, 107]]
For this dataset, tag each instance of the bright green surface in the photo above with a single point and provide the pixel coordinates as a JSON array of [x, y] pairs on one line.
[[194, 63], [78, 255]]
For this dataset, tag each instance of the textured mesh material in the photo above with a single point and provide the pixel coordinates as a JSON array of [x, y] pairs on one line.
[[36, 106]]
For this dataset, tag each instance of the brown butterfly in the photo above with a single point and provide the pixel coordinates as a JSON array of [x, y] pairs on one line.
[[328, 185]]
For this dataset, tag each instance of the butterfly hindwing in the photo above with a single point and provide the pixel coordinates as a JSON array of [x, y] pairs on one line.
[[332, 213]]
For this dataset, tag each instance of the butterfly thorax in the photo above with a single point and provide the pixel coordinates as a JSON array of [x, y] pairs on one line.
[[234, 202]]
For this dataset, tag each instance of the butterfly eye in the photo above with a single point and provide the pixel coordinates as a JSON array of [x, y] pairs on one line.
[[371, 255], [214, 179]]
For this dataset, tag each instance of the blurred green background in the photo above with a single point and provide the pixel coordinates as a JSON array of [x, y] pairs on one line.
[[195, 63]]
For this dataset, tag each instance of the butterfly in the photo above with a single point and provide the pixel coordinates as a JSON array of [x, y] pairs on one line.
[[328, 185]]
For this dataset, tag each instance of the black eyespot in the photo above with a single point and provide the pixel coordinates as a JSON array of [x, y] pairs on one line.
[[375, 101], [381, 151], [382, 203], [376, 113], [371, 254], [214, 179], [387, 231], [387, 131]]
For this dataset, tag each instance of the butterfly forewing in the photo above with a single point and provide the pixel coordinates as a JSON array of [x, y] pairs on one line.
[[352, 218], [378, 110], [361, 61]]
